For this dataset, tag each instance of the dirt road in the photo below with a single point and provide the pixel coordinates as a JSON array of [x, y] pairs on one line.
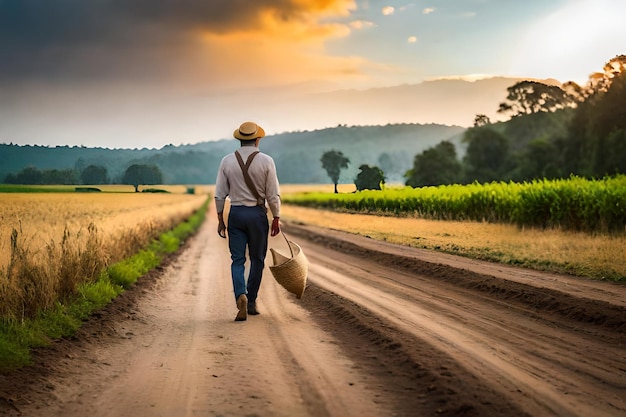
[[381, 331]]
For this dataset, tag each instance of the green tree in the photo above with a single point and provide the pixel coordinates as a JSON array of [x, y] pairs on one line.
[[333, 162], [594, 143], [487, 155], [94, 174], [616, 162], [29, 175], [369, 178], [539, 159], [435, 166], [59, 176], [140, 174], [607, 122]]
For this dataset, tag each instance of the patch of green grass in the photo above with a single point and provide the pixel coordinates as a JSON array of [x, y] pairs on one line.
[[13, 354], [128, 271], [18, 338], [169, 242]]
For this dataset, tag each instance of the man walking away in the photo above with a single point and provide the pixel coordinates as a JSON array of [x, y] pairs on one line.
[[248, 177]]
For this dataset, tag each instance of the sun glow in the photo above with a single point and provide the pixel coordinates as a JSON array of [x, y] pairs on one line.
[[573, 42]]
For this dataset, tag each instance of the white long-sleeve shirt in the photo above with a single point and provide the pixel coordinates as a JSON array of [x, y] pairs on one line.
[[231, 183]]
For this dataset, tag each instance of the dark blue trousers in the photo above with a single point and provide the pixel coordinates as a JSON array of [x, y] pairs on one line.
[[248, 228]]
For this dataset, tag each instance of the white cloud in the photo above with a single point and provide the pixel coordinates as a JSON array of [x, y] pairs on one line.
[[361, 24], [388, 10], [428, 10]]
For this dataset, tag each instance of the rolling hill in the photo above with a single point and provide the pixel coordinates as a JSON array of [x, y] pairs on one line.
[[297, 154]]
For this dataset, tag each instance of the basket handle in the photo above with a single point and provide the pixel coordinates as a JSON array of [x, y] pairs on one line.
[[288, 245]]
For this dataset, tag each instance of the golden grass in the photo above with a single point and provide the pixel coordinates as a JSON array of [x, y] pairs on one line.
[[596, 256], [51, 242], [43, 218]]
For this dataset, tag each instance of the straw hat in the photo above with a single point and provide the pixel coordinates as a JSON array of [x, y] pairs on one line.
[[249, 131]]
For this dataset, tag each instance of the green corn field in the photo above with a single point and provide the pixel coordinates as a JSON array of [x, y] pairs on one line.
[[569, 204]]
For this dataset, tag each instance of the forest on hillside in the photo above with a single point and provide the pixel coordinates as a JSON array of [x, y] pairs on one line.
[[297, 156], [553, 132]]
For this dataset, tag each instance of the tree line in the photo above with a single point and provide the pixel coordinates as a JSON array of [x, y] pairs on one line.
[[553, 132], [135, 175], [296, 154]]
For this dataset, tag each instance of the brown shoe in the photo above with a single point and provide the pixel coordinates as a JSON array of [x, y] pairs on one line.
[[242, 306]]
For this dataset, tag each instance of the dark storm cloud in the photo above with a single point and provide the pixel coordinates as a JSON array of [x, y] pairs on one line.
[[82, 39]]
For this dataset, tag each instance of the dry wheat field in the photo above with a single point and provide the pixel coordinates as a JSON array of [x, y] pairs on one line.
[[52, 240], [41, 219]]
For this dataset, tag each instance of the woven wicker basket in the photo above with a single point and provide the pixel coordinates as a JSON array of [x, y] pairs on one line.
[[290, 272]]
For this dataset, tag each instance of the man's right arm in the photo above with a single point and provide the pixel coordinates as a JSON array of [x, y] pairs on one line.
[[273, 197], [272, 190]]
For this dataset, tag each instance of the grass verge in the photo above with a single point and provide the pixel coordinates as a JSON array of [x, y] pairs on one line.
[[18, 338]]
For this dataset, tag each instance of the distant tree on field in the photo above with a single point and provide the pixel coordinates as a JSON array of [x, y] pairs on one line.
[[139, 174], [94, 174], [369, 178], [333, 162], [435, 166]]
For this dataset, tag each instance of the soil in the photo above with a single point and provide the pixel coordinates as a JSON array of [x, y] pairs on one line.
[[382, 330]]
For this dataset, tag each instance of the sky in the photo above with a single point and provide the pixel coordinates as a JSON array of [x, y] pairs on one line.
[[148, 73]]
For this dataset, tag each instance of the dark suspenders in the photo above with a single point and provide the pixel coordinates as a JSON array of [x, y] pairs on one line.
[[246, 176]]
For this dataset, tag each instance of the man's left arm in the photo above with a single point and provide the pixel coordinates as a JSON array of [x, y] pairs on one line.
[[272, 195]]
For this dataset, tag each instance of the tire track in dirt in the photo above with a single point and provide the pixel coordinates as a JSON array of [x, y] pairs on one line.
[[505, 337], [585, 308]]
